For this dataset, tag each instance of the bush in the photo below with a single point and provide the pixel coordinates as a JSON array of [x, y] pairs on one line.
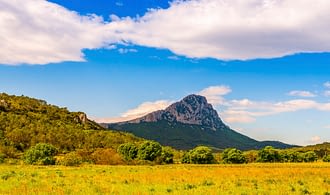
[[269, 154], [199, 155], [167, 155], [106, 156], [310, 156], [70, 159], [326, 158], [251, 156], [233, 156], [128, 151], [149, 150], [41, 154], [294, 157]]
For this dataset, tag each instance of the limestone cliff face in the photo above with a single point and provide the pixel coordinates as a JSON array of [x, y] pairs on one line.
[[193, 109]]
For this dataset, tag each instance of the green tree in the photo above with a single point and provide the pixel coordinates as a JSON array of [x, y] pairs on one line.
[[199, 155], [310, 156], [41, 154], [326, 158], [269, 154], [128, 151], [167, 155], [233, 156], [149, 150]]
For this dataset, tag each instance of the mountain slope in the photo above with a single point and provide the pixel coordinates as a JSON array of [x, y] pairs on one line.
[[189, 123], [26, 121]]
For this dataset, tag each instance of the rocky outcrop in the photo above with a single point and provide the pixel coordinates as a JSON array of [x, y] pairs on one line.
[[193, 109]]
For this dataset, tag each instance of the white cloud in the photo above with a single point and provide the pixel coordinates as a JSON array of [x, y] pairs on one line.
[[41, 32], [302, 93], [119, 3], [125, 50], [214, 94], [326, 93], [315, 139], [232, 29], [327, 84], [173, 57], [246, 111], [139, 111]]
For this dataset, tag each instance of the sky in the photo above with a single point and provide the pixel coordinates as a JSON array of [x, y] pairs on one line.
[[264, 65]]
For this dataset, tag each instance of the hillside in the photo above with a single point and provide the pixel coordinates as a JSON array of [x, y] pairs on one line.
[[189, 123], [26, 121], [319, 149]]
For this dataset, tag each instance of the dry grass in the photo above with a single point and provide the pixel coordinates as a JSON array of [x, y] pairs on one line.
[[305, 178]]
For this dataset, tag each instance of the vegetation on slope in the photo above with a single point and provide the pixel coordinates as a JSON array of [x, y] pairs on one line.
[[25, 121], [187, 136]]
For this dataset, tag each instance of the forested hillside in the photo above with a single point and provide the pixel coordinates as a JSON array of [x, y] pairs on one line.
[[26, 121]]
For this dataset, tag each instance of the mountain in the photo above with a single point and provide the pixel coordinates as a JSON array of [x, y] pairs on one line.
[[26, 121], [189, 123]]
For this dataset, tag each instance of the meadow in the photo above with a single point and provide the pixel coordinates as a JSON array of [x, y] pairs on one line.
[[266, 178]]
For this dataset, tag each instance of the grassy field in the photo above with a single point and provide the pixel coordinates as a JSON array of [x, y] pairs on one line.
[[313, 178]]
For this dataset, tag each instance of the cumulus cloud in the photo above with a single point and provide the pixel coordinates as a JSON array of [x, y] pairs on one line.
[[139, 111], [233, 29], [302, 94], [214, 94], [41, 32]]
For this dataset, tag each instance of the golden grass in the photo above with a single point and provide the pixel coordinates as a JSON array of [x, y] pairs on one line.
[[304, 178]]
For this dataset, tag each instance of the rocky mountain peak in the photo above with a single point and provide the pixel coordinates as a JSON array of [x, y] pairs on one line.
[[193, 109]]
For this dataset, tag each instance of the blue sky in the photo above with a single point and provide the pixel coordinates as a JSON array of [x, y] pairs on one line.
[[267, 76]]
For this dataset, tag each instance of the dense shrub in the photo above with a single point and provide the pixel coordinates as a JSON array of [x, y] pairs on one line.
[[199, 155], [106, 156], [70, 159], [310, 156], [41, 154], [128, 151], [166, 155], [149, 150], [251, 156], [326, 158], [233, 156], [269, 154]]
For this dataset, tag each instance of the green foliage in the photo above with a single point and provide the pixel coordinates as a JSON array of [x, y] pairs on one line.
[[326, 158], [41, 154], [149, 150], [185, 136], [269, 154], [70, 159], [233, 156], [24, 122], [167, 155], [199, 155], [128, 151], [291, 156], [251, 156], [310, 156]]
